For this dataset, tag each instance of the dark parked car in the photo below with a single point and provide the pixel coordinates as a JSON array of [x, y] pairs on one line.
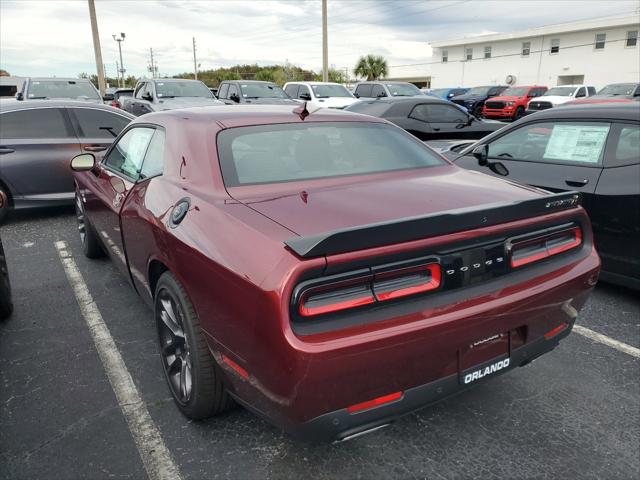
[[427, 118], [256, 92], [474, 99], [158, 94], [112, 96], [6, 305], [593, 149], [381, 89], [45, 88], [39, 138], [328, 270], [615, 92], [445, 93]]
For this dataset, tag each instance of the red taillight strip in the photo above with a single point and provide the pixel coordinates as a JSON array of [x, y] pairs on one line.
[[237, 368], [546, 251], [335, 307], [431, 284], [376, 402], [552, 333]]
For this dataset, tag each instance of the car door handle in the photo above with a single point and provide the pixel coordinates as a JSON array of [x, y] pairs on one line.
[[576, 183], [95, 148], [4, 150]]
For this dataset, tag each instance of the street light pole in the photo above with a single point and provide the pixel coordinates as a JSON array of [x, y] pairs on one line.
[[96, 47], [120, 39], [325, 48], [195, 63]]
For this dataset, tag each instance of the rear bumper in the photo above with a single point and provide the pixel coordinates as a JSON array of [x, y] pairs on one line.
[[340, 425]]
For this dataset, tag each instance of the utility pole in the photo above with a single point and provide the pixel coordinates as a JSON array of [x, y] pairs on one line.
[[120, 39], [195, 64], [118, 73], [325, 48], [96, 47], [153, 67]]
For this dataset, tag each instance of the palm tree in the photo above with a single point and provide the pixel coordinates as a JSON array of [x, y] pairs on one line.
[[371, 66]]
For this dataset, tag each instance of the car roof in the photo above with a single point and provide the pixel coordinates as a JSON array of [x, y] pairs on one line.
[[313, 83], [249, 81], [415, 98], [14, 105], [383, 82], [64, 79], [626, 111], [169, 80], [245, 115]]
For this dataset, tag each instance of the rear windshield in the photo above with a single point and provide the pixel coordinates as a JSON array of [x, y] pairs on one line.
[[290, 152], [376, 108], [76, 89]]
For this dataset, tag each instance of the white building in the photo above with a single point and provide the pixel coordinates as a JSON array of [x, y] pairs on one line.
[[594, 52]]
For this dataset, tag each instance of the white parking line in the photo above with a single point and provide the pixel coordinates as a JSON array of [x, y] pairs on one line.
[[609, 342], [156, 458]]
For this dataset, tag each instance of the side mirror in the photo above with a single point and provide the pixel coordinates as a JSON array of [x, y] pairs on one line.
[[108, 97], [235, 97], [305, 96], [481, 152], [381, 94], [19, 96], [148, 97], [83, 162], [450, 95], [356, 95]]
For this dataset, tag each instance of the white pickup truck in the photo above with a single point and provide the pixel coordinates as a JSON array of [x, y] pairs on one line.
[[558, 95]]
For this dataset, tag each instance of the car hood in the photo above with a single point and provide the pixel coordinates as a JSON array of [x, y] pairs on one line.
[[185, 102], [335, 102], [554, 99], [271, 101], [320, 206], [505, 99]]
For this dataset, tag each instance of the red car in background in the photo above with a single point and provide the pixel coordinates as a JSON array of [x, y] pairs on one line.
[[512, 103], [328, 270]]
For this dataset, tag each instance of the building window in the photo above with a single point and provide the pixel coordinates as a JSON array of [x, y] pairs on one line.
[[601, 38], [469, 53], [526, 49], [445, 56], [555, 45], [487, 52], [632, 38]]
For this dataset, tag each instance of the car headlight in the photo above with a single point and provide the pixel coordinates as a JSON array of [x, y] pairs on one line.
[[510, 104]]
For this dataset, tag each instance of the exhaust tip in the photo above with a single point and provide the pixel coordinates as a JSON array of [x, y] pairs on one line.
[[361, 433]]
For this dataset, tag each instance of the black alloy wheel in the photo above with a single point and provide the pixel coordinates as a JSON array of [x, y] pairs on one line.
[[89, 239]]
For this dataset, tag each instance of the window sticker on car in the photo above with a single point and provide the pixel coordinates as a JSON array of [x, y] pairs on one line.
[[577, 143]]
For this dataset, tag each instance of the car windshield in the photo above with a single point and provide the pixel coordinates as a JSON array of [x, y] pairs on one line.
[[262, 90], [81, 89], [403, 89], [124, 93], [182, 89], [292, 152], [440, 92], [559, 92], [619, 89], [478, 91], [326, 91], [514, 92]]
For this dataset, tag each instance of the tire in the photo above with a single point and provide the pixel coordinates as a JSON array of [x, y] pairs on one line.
[[88, 237], [6, 305], [189, 368], [519, 114], [477, 111], [4, 204]]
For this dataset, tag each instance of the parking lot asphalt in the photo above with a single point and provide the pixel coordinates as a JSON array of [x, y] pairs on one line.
[[574, 413]]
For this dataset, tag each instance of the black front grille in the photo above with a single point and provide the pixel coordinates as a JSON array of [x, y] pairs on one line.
[[496, 105], [540, 105]]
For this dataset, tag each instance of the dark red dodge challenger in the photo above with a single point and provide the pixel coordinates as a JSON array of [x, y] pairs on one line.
[[327, 270]]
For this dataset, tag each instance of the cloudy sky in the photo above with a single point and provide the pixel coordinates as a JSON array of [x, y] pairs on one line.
[[49, 37]]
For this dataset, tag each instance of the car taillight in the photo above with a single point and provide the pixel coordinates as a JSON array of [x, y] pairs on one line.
[[380, 286], [533, 250], [115, 103]]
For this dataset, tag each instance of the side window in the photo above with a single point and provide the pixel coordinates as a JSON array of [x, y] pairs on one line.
[[35, 123], [563, 142], [233, 90], [377, 91], [627, 147], [581, 92], [303, 89], [140, 90], [364, 90], [434, 113], [292, 90], [591, 90], [126, 156], [222, 92], [95, 123], [153, 164]]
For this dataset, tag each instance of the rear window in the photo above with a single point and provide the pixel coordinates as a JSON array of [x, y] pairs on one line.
[[376, 109], [290, 152], [76, 89]]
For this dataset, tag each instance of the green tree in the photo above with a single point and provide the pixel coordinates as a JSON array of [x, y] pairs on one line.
[[371, 67], [335, 76], [265, 76]]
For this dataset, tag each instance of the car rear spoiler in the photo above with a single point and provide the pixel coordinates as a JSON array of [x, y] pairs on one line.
[[415, 228]]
